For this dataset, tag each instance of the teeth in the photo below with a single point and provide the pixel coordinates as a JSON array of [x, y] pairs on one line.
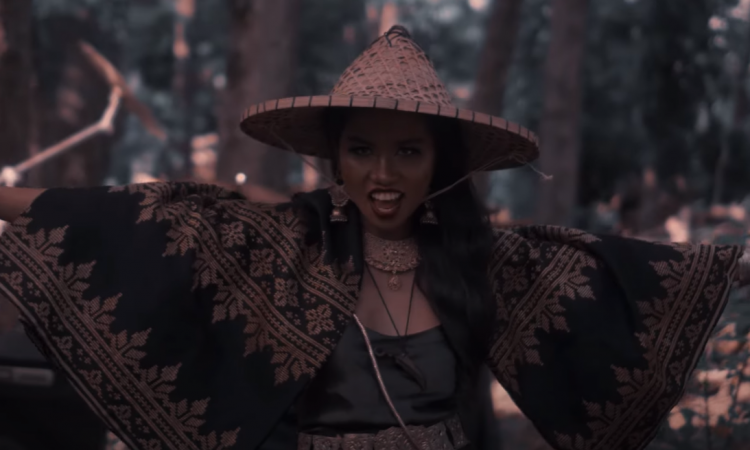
[[386, 196]]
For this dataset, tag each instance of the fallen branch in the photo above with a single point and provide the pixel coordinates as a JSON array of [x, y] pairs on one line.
[[10, 175], [131, 102], [120, 93]]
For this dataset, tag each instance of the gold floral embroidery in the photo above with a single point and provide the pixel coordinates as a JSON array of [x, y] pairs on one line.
[[261, 262], [91, 320], [319, 320], [515, 279], [559, 275], [562, 235], [285, 292], [258, 282], [232, 234], [673, 325]]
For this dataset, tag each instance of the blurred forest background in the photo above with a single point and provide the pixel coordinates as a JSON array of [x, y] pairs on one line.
[[642, 108]]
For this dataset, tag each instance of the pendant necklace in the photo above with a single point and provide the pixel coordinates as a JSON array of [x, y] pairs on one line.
[[394, 257], [402, 358]]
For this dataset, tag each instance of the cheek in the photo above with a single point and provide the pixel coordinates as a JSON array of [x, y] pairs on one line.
[[421, 174], [345, 168], [352, 174]]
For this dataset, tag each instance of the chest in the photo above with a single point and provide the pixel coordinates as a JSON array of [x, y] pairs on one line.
[[303, 305], [394, 308], [298, 303]]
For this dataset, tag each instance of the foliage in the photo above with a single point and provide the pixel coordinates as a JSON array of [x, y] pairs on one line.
[[656, 85], [656, 78], [656, 89]]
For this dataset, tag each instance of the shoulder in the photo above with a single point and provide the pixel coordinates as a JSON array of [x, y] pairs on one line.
[[196, 197], [547, 234], [505, 237], [208, 209], [221, 211]]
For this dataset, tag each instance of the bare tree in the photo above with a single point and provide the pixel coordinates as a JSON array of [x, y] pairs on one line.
[[16, 75], [262, 59], [559, 130], [496, 56], [495, 60]]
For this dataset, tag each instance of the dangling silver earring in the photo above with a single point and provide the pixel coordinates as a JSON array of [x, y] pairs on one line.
[[339, 199], [428, 216]]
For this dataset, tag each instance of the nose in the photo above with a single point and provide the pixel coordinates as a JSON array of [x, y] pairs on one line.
[[384, 172]]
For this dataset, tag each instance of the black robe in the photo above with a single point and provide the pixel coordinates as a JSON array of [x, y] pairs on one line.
[[190, 318]]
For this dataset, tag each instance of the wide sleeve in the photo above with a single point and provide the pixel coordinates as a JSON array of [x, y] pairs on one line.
[[168, 306], [597, 335]]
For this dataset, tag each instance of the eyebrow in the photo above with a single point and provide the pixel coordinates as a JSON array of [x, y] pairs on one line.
[[410, 141], [359, 140]]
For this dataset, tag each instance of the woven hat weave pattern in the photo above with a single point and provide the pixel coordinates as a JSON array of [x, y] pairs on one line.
[[394, 73]]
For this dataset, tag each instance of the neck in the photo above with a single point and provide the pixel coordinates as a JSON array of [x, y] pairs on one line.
[[398, 234]]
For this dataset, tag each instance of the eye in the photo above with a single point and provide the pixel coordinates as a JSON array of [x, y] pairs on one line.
[[409, 151], [360, 150]]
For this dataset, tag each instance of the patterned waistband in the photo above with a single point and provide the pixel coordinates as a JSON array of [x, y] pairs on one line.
[[447, 435]]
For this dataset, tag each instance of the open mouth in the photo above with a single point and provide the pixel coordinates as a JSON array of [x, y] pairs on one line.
[[385, 203]]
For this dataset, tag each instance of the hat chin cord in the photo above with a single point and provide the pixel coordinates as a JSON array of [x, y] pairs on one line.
[[381, 384], [361, 327]]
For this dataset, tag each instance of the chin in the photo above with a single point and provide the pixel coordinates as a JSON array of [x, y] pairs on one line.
[[397, 226]]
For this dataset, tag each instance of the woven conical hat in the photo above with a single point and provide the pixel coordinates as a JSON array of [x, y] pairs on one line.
[[392, 74]]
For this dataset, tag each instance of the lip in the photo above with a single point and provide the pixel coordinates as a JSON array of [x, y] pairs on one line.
[[385, 209]]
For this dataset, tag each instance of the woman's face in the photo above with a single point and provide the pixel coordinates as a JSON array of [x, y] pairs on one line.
[[386, 159]]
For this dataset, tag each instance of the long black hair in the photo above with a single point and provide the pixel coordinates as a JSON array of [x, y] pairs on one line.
[[455, 254]]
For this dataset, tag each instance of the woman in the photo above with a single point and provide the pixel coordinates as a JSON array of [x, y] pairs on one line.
[[356, 317]]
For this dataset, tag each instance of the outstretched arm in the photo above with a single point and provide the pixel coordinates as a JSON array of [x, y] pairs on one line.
[[14, 201], [597, 335], [127, 283]]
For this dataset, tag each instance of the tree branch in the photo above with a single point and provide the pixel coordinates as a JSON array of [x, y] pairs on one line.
[[120, 93]]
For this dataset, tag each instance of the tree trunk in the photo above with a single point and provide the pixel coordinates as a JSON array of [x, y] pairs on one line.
[[262, 59], [183, 86], [496, 56], [495, 60], [561, 113], [16, 77]]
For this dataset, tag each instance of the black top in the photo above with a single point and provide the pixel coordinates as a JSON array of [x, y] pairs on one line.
[[345, 396]]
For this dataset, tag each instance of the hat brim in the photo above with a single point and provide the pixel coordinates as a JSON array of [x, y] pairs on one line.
[[296, 124]]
